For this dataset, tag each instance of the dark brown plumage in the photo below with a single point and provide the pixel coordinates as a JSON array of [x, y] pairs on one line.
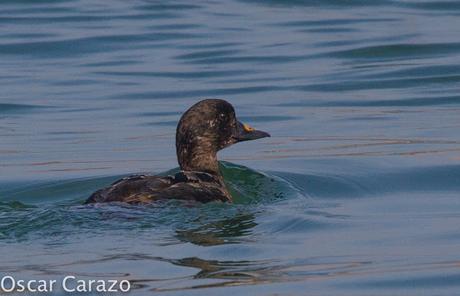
[[204, 129]]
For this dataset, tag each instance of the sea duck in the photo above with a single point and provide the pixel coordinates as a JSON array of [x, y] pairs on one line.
[[204, 129]]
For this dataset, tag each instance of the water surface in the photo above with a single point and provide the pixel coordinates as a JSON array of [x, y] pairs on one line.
[[355, 193]]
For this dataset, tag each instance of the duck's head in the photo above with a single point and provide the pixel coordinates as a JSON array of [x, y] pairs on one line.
[[204, 129]]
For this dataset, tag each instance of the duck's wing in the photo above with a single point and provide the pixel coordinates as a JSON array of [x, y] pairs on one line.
[[197, 186], [140, 189], [132, 189], [202, 192]]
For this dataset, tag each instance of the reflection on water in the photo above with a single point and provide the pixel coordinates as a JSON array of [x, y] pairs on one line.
[[237, 273], [219, 232]]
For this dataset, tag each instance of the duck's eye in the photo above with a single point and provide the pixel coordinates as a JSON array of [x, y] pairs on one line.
[[221, 115]]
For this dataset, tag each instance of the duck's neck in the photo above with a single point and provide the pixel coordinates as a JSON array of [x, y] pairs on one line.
[[198, 160], [202, 160]]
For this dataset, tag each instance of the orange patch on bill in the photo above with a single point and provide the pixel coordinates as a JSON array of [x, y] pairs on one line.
[[247, 127]]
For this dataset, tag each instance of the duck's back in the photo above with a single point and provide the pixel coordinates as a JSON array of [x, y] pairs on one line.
[[146, 189]]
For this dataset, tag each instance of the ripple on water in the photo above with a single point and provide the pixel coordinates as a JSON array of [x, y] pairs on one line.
[[34, 209], [7, 108], [399, 51]]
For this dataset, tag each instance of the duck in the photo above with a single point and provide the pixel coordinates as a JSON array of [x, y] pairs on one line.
[[203, 130]]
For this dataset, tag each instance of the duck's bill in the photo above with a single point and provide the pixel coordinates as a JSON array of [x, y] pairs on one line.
[[247, 133]]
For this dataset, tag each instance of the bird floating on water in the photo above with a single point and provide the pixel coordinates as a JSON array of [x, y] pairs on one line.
[[205, 128]]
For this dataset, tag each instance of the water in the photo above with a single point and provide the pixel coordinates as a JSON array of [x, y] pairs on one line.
[[355, 193]]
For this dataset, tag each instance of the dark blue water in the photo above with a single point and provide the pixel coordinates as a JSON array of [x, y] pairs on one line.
[[355, 193]]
